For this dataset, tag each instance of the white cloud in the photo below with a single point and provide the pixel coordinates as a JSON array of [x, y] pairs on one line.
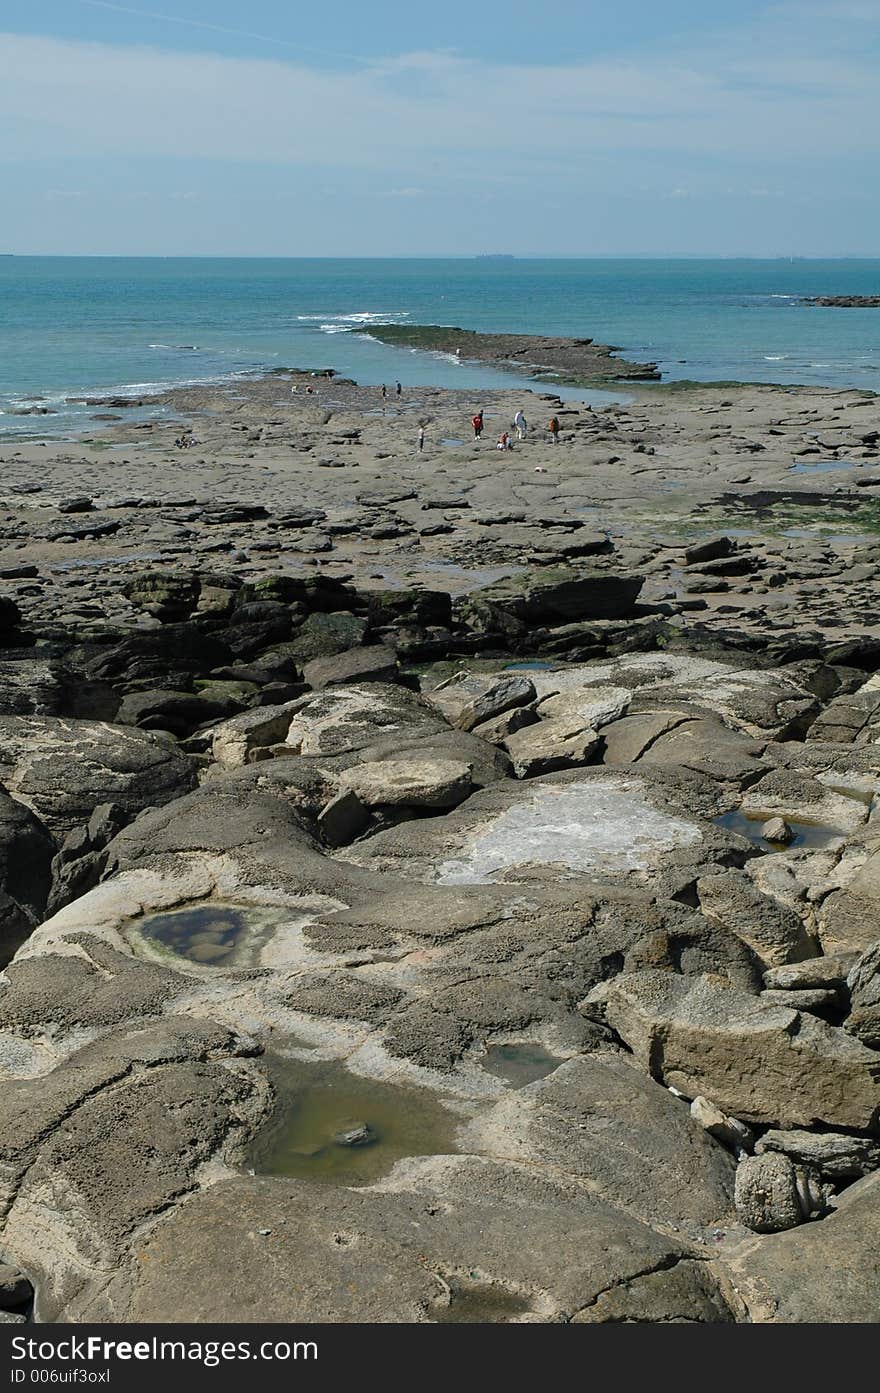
[[81, 100]]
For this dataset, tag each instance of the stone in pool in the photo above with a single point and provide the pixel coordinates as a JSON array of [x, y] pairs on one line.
[[315, 1107]]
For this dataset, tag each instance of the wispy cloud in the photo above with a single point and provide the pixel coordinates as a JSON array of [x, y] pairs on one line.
[[426, 111]]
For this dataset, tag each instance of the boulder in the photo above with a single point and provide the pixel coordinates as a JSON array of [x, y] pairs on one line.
[[468, 699], [830, 971], [169, 595], [179, 712], [848, 918], [555, 594], [26, 852], [61, 769], [835, 1154], [600, 1120], [323, 635], [820, 1274], [864, 983], [685, 1294], [592, 706], [772, 1194], [411, 783], [562, 743], [775, 932], [760, 1063], [373, 663]]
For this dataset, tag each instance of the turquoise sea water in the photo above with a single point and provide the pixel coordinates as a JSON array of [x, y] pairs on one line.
[[75, 325]]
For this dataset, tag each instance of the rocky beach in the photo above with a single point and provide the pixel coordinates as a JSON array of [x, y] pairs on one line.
[[443, 884]]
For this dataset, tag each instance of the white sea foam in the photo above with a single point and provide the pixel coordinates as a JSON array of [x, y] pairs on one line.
[[356, 319]]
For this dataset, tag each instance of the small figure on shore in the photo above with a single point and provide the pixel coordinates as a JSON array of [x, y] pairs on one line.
[[421, 439], [553, 427], [397, 388], [384, 391], [504, 442], [477, 423], [519, 421]]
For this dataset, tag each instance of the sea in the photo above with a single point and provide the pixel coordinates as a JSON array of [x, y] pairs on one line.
[[71, 326]]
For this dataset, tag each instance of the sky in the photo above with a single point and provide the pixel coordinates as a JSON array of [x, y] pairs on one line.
[[388, 128]]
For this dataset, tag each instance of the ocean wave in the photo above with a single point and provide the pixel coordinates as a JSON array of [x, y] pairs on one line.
[[355, 319], [775, 357]]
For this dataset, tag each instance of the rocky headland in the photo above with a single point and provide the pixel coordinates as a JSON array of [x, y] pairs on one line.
[[845, 302], [442, 885], [579, 361]]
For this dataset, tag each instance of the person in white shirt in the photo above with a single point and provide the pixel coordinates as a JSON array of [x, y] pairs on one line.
[[519, 421]]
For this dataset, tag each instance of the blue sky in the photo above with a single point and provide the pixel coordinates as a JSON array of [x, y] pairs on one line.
[[207, 127]]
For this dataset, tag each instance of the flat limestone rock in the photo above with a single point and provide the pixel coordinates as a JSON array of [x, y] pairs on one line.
[[586, 823], [350, 718], [440, 1235], [684, 1294], [761, 1063], [600, 1119], [414, 783]]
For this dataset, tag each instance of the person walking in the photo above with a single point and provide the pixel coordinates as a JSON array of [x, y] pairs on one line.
[[421, 439], [553, 427], [519, 421], [477, 423], [397, 388], [384, 391]]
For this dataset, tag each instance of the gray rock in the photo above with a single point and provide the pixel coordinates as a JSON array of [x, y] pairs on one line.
[[356, 1134], [553, 744], [469, 699], [864, 983], [685, 1294], [373, 663], [601, 1120], [380, 1255], [830, 971], [775, 1279], [760, 1063], [835, 1154], [323, 635], [62, 769], [555, 594], [818, 1000], [767, 1199], [777, 830], [414, 783], [497, 730], [774, 932]]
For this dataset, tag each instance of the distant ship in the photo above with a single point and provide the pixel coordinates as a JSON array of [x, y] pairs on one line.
[[494, 256]]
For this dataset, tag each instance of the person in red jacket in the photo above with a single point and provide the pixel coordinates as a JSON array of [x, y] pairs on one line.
[[553, 427], [477, 423]]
